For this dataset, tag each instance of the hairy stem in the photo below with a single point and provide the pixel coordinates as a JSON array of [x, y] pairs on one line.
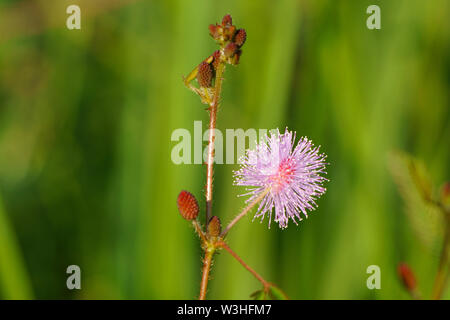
[[207, 262], [244, 212], [246, 266], [442, 273], [199, 231], [212, 125]]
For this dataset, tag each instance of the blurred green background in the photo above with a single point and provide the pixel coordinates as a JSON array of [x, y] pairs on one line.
[[86, 118]]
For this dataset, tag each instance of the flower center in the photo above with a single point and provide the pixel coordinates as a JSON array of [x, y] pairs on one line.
[[283, 176]]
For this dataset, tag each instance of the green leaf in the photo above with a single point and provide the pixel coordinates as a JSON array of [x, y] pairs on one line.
[[277, 294], [259, 295], [270, 293], [14, 279]]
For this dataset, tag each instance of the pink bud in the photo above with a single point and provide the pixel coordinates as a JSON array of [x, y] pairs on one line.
[[187, 205]]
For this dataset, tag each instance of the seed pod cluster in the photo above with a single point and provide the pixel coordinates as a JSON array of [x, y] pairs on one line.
[[229, 38]]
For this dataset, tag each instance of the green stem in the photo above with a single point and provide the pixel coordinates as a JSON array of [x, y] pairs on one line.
[[243, 212], [442, 274], [266, 285]]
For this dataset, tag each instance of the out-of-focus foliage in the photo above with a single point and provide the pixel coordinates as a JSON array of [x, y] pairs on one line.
[[416, 190], [86, 118]]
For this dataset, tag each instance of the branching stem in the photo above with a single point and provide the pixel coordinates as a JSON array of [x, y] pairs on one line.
[[209, 250], [244, 212]]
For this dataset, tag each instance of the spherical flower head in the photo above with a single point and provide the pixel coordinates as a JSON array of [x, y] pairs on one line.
[[290, 177]]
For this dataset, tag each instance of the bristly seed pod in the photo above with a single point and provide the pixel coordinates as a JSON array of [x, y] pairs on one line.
[[187, 205], [205, 75], [230, 49], [214, 227], [240, 37], [227, 21]]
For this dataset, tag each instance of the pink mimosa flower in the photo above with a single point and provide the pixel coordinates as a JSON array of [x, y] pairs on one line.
[[289, 176]]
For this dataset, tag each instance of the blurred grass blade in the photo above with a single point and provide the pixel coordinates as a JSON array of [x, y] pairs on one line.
[[414, 185], [14, 280]]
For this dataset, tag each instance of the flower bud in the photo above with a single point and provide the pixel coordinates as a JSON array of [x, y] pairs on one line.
[[236, 57], [445, 194], [230, 49], [228, 33], [205, 75], [407, 276], [240, 37], [214, 31], [227, 21], [187, 205], [214, 227]]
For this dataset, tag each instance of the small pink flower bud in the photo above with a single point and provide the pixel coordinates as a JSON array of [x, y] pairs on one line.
[[230, 49], [227, 21], [445, 194], [214, 31], [228, 33], [187, 205], [240, 37], [407, 276]]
